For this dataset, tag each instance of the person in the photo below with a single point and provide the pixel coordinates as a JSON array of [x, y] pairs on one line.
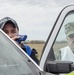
[[67, 53], [10, 27]]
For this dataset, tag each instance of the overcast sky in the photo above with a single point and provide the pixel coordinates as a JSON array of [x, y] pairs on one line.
[[34, 17]]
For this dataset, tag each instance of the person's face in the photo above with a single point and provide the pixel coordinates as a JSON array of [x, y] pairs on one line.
[[10, 30], [70, 40]]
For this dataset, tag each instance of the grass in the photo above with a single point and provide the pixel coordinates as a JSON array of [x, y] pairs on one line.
[[39, 47]]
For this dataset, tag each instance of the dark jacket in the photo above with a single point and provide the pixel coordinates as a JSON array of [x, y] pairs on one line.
[[31, 52]]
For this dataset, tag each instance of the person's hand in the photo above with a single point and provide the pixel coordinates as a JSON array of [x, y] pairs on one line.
[[15, 38]]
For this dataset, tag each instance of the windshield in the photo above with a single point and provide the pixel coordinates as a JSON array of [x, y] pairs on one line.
[[11, 62]]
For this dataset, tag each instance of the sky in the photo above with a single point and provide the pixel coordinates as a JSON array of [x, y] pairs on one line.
[[35, 18]]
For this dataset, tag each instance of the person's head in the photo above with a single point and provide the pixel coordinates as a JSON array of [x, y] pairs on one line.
[[69, 30], [9, 26]]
